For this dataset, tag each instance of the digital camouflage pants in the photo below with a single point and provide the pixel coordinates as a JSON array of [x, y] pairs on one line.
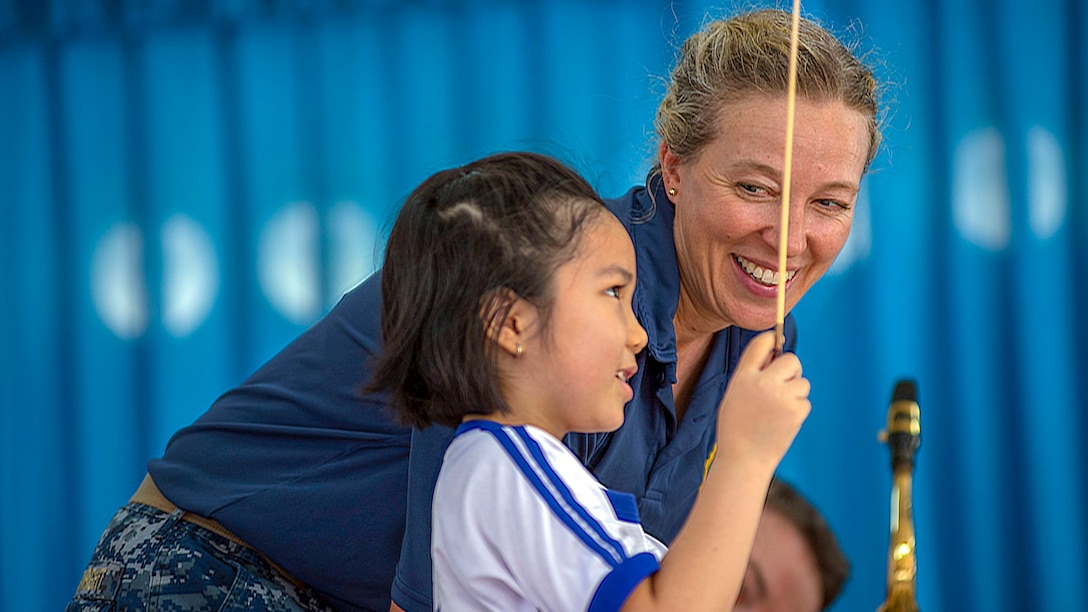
[[148, 559]]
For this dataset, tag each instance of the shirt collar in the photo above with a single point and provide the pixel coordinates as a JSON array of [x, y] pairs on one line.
[[648, 216]]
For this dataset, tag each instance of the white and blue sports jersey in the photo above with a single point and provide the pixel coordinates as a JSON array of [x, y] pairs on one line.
[[519, 524]]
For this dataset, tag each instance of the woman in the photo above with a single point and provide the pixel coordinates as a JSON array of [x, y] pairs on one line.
[[294, 464]]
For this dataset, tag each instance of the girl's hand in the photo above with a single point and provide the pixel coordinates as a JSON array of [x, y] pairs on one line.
[[764, 405]]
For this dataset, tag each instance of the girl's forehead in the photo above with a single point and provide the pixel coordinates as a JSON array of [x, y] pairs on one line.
[[604, 246]]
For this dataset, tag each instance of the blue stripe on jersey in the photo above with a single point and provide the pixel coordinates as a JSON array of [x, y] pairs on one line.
[[618, 585], [612, 557], [624, 504], [561, 486]]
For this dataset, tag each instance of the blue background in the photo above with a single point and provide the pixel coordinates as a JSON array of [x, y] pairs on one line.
[[186, 185]]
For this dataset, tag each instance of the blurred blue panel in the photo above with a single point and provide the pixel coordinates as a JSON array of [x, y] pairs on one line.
[[279, 279], [602, 79], [426, 61], [573, 43], [357, 199], [836, 459], [1077, 75], [353, 108], [188, 228], [983, 428], [976, 306], [634, 38], [1042, 277], [35, 468], [108, 287], [8, 25], [497, 98]]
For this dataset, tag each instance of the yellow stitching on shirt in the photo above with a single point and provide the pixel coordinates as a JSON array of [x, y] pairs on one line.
[[709, 460]]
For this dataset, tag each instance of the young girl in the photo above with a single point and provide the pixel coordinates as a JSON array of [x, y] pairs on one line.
[[506, 313]]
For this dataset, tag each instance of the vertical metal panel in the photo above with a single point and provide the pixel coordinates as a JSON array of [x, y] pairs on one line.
[[188, 205], [279, 266], [1036, 95], [35, 467], [107, 284], [354, 103]]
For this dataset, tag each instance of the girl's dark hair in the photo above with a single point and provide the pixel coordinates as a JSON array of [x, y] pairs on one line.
[[465, 239]]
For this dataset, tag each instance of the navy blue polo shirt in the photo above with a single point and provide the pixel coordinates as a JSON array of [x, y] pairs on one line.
[[299, 465], [660, 462]]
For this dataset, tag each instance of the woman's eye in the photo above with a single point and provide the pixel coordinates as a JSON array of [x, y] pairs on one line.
[[834, 204], [753, 189], [613, 291]]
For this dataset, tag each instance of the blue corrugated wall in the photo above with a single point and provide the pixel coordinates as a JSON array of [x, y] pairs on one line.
[[185, 186]]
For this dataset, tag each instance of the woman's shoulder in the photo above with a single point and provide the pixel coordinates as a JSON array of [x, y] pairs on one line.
[[632, 206]]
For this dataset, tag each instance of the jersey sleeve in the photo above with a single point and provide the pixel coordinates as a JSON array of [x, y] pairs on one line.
[[515, 529]]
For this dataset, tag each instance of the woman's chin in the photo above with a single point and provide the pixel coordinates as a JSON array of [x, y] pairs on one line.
[[755, 321]]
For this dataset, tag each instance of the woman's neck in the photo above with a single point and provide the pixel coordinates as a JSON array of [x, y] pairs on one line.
[[691, 358], [692, 324], [694, 333]]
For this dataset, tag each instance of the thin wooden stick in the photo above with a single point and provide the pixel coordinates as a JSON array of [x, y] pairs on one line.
[[787, 169]]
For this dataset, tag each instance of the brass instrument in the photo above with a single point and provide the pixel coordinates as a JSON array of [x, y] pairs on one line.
[[903, 436]]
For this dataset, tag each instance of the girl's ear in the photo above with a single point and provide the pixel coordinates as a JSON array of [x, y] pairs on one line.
[[509, 331]]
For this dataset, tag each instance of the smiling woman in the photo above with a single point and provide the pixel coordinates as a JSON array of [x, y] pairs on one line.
[[728, 198]]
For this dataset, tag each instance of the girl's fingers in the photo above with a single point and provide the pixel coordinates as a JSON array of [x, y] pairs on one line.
[[758, 354]]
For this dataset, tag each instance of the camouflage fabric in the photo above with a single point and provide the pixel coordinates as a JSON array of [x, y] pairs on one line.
[[148, 559]]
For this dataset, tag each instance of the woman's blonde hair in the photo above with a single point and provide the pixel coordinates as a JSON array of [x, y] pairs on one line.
[[749, 54]]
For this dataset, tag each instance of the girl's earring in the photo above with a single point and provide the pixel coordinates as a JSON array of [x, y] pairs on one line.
[[672, 191], [518, 350]]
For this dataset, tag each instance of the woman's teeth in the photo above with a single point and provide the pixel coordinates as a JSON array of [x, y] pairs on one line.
[[760, 274]]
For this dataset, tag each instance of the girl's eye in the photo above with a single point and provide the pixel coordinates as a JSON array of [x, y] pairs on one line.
[[613, 291]]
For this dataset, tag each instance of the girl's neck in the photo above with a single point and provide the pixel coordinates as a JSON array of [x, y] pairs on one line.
[[512, 419]]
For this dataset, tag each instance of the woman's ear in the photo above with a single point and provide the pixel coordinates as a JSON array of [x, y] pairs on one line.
[[508, 317], [670, 170]]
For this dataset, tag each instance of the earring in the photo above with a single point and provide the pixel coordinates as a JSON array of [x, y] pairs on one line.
[[518, 350], [672, 191]]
